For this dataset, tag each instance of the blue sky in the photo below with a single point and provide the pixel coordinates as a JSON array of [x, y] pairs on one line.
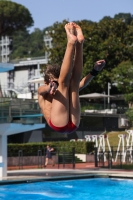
[[47, 12]]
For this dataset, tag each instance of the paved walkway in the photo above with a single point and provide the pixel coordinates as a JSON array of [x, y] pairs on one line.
[[53, 174], [81, 170], [56, 166]]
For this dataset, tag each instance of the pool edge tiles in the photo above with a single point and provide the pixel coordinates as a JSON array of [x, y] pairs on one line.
[[61, 178], [23, 176], [55, 178]]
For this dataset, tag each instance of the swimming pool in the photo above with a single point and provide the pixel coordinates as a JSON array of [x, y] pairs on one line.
[[85, 189]]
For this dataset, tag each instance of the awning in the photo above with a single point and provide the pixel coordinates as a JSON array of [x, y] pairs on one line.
[[95, 96], [36, 80]]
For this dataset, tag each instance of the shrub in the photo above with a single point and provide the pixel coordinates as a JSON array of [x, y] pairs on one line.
[[31, 149]]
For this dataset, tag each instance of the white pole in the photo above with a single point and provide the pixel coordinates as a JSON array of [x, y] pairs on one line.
[[88, 138], [108, 145], [94, 139], [3, 156], [109, 87], [38, 69], [121, 141], [104, 101], [118, 147]]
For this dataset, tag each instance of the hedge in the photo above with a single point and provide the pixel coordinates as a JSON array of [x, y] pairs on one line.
[[81, 147]]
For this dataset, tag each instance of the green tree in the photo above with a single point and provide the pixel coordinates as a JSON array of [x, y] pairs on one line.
[[20, 45], [126, 17], [36, 43], [129, 114], [27, 44], [123, 78], [58, 42], [105, 18], [13, 17], [110, 39]]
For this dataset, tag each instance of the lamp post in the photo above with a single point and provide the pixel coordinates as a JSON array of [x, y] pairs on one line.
[[109, 87], [104, 101]]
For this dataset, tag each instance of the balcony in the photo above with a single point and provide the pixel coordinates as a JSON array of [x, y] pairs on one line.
[[19, 111]]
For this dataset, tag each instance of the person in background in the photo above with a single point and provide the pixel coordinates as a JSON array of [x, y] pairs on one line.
[[49, 151]]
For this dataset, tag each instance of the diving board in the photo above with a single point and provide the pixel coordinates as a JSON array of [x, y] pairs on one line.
[[10, 129], [5, 67]]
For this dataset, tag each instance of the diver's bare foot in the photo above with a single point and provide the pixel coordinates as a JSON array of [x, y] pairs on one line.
[[72, 28], [79, 33], [70, 31]]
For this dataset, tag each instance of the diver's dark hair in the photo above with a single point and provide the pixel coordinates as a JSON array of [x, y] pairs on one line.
[[51, 71]]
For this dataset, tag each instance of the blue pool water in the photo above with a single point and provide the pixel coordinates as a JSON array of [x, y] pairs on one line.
[[83, 189]]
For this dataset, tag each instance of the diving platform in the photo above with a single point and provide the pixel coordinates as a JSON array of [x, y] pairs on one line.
[[7, 129]]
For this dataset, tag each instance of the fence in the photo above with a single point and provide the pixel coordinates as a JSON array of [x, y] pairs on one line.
[[114, 159], [13, 108], [66, 158], [63, 158]]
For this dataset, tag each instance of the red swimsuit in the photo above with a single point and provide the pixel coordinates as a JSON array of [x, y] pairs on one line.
[[69, 128]]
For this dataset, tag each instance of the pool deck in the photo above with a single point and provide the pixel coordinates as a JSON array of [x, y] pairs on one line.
[[53, 173]]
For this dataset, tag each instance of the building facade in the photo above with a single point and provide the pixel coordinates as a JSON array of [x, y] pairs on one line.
[[16, 81]]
